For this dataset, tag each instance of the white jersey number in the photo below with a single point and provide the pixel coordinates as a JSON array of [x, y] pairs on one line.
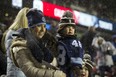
[[76, 44], [61, 57]]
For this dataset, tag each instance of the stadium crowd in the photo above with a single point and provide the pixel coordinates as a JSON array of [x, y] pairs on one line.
[[93, 55]]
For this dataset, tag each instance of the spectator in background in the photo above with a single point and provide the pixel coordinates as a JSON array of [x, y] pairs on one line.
[[70, 52], [53, 28], [32, 48], [19, 22], [3, 27], [3, 64], [87, 67], [114, 40], [1, 35], [86, 41], [104, 50], [114, 44], [113, 68]]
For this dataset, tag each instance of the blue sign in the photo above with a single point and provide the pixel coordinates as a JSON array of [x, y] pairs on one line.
[[86, 19], [105, 25], [90, 20]]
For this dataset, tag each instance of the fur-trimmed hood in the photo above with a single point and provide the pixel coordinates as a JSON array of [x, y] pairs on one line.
[[19, 42]]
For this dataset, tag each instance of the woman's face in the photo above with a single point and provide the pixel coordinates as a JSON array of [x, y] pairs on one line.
[[40, 30], [69, 30], [84, 72]]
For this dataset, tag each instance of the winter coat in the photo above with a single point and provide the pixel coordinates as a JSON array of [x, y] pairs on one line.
[[24, 59], [104, 52]]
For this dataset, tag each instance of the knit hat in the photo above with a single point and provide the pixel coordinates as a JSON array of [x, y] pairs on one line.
[[66, 19], [35, 17], [87, 56], [87, 62]]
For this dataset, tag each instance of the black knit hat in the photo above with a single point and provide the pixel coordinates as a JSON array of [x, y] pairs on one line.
[[35, 17]]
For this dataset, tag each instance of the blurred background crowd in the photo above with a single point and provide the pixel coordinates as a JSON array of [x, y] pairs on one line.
[[96, 26]]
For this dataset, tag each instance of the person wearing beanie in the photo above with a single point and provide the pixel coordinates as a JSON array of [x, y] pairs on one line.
[[87, 68], [70, 52], [32, 50]]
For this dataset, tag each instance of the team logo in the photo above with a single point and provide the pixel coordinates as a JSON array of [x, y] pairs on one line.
[[43, 19]]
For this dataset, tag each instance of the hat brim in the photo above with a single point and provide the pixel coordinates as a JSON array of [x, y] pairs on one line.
[[67, 24], [38, 24]]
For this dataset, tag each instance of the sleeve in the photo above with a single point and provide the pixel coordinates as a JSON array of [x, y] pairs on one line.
[[23, 58], [77, 61], [94, 42], [112, 48], [8, 39]]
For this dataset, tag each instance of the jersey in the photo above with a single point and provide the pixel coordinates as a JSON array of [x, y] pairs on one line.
[[70, 54]]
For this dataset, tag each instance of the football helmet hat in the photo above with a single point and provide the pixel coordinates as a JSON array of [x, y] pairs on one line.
[[66, 20]]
